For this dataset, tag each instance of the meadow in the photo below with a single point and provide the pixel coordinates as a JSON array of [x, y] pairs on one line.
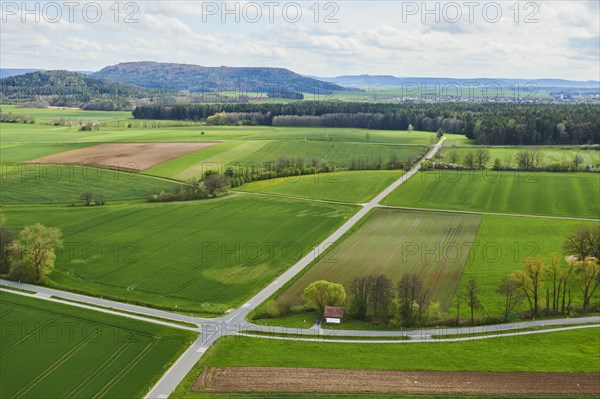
[[535, 193], [566, 351], [355, 186], [38, 183], [395, 243], [50, 350], [195, 256], [548, 155]]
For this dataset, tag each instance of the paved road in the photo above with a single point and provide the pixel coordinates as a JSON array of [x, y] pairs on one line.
[[235, 322]]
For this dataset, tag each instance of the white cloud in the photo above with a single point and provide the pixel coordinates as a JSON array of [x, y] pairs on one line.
[[370, 37]]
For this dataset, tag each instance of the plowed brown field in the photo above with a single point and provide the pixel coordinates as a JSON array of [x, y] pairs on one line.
[[266, 379], [125, 156]]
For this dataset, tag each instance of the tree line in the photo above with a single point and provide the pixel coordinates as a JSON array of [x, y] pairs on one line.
[[488, 124]]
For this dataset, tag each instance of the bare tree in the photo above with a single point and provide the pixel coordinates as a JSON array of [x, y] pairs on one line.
[[87, 197], [577, 162], [470, 160], [413, 299], [482, 157], [553, 275], [529, 281], [453, 157], [578, 243], [380, 298], [509, 290], [359, 289], [587, 276], [471, 295]]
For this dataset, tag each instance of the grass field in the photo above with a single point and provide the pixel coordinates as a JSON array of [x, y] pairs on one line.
[[549, 155], [567, 351], [394, 243], [51, 350], [356, 186], [558, 194], [195, 256], [37, 183]]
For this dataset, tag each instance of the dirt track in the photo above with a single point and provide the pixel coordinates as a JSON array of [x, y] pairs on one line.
[[126, 156], [264, 379]]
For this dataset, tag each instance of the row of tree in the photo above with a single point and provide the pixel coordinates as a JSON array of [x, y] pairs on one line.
[[212, 185], [489, 124], [521, 160]]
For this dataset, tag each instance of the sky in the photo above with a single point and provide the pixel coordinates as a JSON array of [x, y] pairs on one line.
[[459, 39]]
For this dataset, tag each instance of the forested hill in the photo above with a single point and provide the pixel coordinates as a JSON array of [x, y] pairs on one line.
[[491, 124], [70, 89], [196, 78]]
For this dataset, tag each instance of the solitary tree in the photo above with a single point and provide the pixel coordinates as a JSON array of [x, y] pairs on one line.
[[35, 251], [324, 293], [439, 134], [471, 294]]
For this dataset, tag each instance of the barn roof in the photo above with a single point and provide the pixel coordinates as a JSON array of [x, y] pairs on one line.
[[334, 311]]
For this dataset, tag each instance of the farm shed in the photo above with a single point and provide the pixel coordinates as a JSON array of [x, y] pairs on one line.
[[333, 314]]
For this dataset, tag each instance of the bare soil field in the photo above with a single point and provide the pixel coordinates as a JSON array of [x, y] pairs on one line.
[[124, 156], [266, 379]]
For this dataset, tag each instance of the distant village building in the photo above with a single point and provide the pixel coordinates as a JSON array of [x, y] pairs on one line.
[[333, 314]]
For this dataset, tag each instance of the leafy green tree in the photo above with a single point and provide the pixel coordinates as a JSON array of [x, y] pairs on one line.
[[34, 253], [324, 293]]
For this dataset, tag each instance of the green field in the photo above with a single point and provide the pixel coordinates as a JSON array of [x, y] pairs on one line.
[[255, 153], [394, 243], [51, 350], [567, 351], [356, 186], [12, 132], [549, 155], [38, 183], [536, 193], [195, 256], [48, 115], [502, 243]]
